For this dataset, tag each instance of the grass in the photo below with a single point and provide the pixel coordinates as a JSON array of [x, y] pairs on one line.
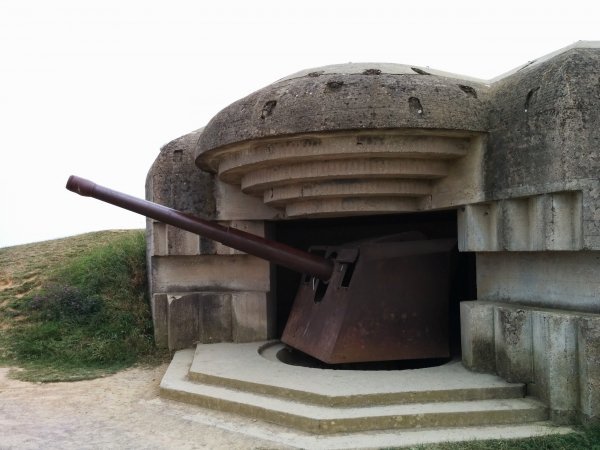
[[75, 308], [583, 438]]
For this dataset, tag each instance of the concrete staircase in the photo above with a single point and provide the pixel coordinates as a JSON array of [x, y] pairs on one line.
[[248, 379]]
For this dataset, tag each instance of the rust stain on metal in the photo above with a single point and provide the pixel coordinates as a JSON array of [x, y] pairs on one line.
[[387, 299]]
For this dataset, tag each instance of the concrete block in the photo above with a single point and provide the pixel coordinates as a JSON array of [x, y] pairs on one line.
[[210, 273], [561, 280], [556, 221], [183, 321], [168, 240], [515, 225], [199, 317], [233, 204], [542, 222], [256, 227], [160, 307], [253, 318], [555, 362], [556, 352], [539, 216], [565, 231], [214, 317], [477, 336], [589, 368], [513, 344], [478, 227], [181, 242], [464, 182], [158, 242]]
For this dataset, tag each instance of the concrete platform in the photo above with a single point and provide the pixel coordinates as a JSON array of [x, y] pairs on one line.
[[249, 380], [254, 367]]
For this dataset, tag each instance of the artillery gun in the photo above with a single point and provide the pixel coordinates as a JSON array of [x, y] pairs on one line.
[[380, 299]]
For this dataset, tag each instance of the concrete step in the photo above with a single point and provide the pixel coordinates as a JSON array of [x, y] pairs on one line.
[[324, 420], [255, 367], [288, 438]]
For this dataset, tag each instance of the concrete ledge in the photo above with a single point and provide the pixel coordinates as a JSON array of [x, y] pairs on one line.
[[210, 272], [568, 281], [542, 222], [555, 352], [382, 171]]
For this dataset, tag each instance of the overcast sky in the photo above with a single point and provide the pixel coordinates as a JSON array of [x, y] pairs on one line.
[[96, 87]]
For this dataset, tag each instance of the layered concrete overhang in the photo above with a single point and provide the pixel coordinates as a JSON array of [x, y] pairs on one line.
[[353, 139]]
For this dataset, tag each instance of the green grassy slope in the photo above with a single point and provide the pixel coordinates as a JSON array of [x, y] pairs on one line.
[[75, 308]]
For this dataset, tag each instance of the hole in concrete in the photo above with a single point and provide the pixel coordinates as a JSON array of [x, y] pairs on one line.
[[268, 108], [419, 71], [372, 72], [335, 85], [468, 90], [316, 74], [415, 105], [178, 155], [529, 97], [295, 357]]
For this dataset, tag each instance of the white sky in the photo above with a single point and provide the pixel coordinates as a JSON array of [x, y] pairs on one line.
[[96, 87]]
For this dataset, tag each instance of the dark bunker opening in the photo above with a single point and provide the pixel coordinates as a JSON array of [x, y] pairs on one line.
[[306, 233]]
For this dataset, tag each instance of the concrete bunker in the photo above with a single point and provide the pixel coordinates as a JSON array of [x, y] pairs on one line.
[[510, 165]]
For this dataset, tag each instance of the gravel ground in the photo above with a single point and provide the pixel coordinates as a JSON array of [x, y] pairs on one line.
[[121, 411], [124, 411]]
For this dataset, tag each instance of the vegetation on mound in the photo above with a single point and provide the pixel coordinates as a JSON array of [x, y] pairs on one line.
[[584, 438], [75, 308]]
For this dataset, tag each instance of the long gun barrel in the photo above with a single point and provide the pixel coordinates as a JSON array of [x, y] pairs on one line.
[[278, 253]]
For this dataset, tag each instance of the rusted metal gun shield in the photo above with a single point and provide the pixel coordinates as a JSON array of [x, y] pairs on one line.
[[394, 308]]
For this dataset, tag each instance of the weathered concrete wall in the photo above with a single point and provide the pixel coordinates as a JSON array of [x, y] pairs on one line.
[[556, 352], [202, 291], [538, 234], [173, 182], [544, 134]]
